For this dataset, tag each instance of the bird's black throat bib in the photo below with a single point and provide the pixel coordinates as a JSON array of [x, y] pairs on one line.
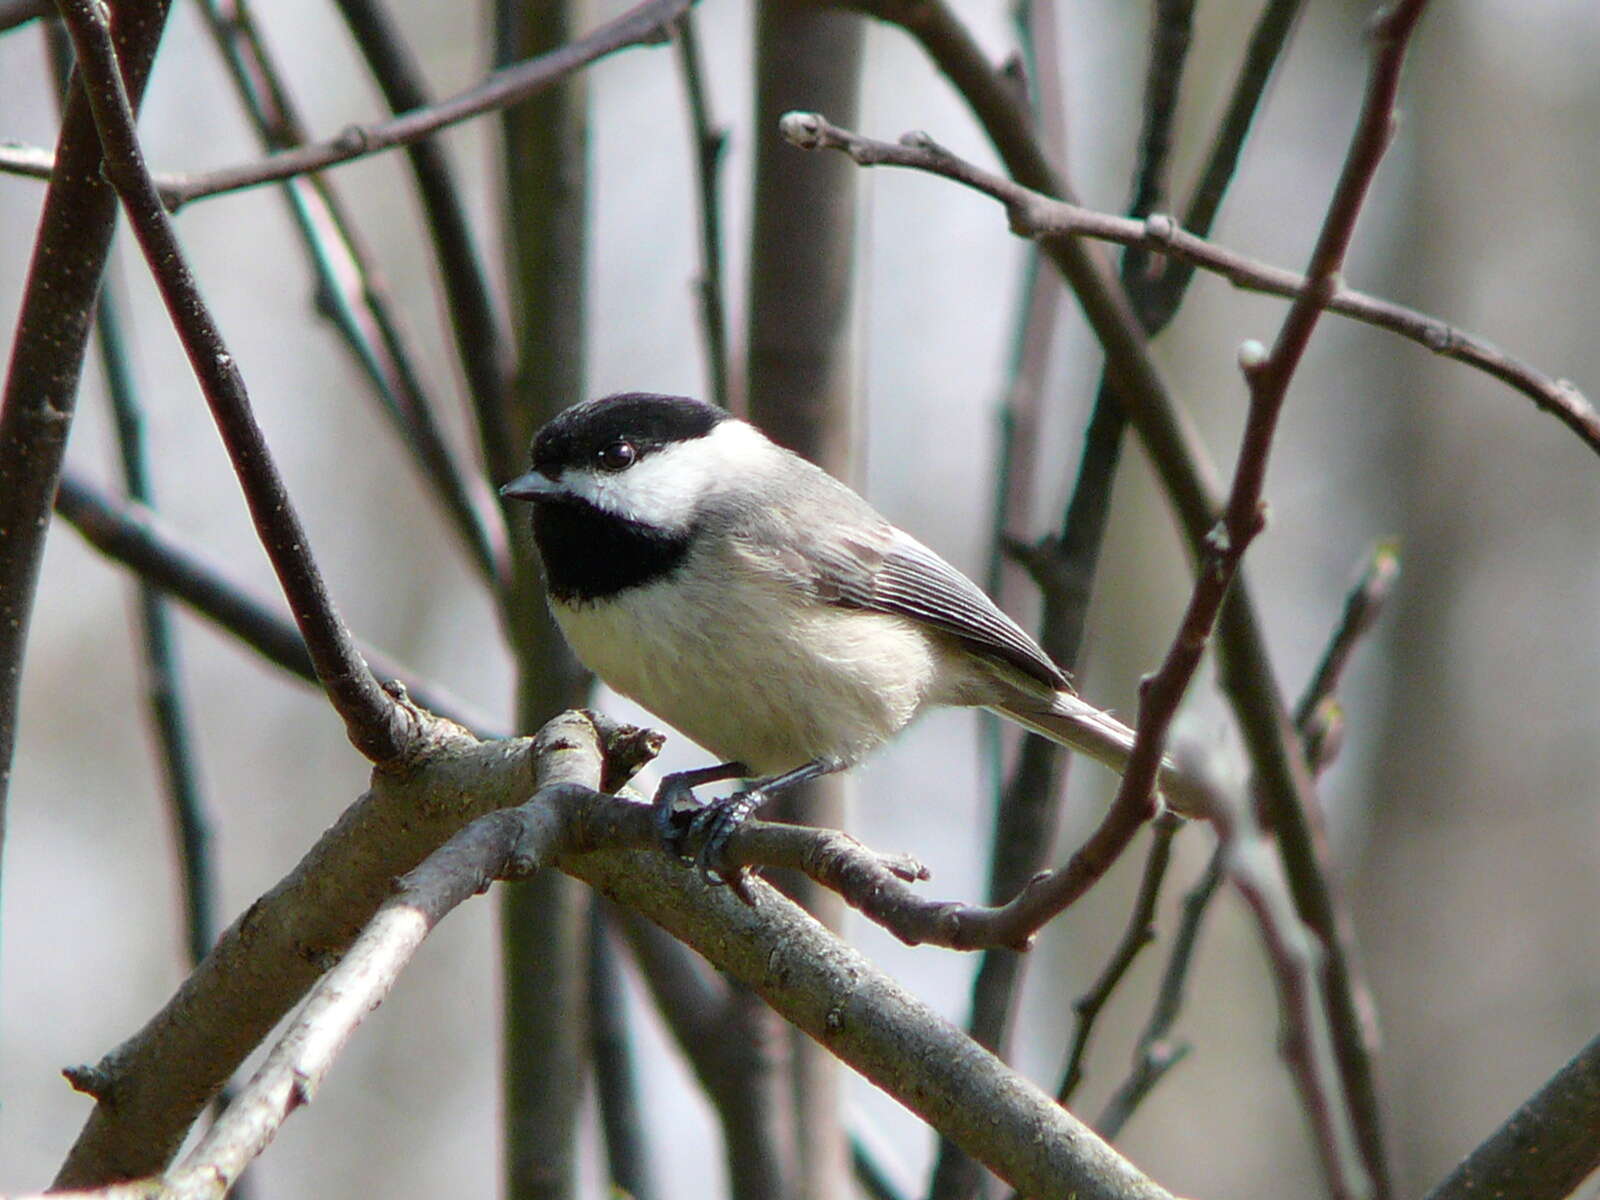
[[594, 555]]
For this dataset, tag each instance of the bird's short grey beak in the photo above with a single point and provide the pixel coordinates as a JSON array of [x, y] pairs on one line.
[[531, 486]]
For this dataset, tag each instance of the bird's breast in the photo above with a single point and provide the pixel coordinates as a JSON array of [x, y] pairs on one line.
[[753, 670]]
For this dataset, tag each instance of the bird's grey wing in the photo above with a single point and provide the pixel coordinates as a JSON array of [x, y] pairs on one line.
[[890, 571]]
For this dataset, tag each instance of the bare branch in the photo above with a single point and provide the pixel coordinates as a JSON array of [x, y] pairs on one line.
[[643, 24], [1295, 952], [482, 347], [135, 538], [376, 725], [1361, 610], [1037, 216], [163, 678], [616, 1078], [1155, 1053], [1137, 934], [1546, 1148], [709, 143], [354, 296], [52, 331], [813, 979], [1265, 48], [152, 1087], [874, 1025]]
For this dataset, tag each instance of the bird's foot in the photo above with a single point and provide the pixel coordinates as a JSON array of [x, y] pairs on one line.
[[676, 808], [712, 828]]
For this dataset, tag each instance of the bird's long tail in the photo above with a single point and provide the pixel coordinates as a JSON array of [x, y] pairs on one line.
[[1072, 722]]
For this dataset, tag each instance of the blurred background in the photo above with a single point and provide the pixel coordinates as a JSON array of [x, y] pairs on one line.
[[1463, 808]]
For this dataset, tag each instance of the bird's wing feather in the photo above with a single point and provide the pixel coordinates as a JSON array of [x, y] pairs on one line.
[[895, 573]]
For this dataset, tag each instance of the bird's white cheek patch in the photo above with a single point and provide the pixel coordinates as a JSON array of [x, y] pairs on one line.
[[666, 487]]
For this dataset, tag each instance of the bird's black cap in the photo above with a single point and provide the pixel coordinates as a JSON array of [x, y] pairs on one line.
[[574, 437]]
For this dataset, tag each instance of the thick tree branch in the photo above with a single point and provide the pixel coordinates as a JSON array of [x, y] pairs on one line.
[[890, 1036], [376, 725], [806, 973], [152, 1087]]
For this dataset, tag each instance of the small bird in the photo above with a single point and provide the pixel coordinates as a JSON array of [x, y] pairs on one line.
[[762, 608]]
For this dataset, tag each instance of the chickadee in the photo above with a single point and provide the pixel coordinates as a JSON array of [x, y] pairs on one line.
[[762, 608]]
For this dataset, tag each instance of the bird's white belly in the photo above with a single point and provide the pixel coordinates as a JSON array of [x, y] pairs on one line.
[[755, 673]]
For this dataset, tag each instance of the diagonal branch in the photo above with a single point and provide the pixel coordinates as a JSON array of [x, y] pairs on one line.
[[1546, 1148], [813, 979], [1156, 1053], [376, 725], [135, 538], [355, 297], [643, 24], [482, 348]]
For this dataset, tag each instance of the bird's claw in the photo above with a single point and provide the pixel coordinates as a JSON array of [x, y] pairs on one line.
[[675, 810], [712, 828]]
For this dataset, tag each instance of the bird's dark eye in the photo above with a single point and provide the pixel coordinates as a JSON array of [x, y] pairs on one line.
[[618, 456]]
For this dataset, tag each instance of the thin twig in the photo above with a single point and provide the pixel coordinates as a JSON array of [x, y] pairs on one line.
[[644, 24], [1295, 952], [375, 724], [1139, 932], [353, 294], [710, 141], [1269, 382], [482, 347], [1155, 1054], [135, 538], [1171, 28], [1265, 48], [1362, 607], [1035, 215], [163, 678]]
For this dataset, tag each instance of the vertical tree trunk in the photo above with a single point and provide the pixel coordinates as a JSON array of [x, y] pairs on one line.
[[799, 390], [543, 921]]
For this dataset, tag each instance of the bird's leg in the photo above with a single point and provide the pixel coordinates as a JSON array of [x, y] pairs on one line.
[[675, 802], [718, 820]]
